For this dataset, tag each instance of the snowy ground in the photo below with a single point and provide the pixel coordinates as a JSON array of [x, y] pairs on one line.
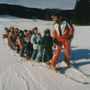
[[24, 75]]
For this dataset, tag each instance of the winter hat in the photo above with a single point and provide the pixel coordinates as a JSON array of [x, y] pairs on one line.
[[47, 31]]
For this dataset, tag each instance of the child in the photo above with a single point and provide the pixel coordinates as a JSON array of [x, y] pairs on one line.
[[40, 50], [28, 45], [47, 43], [20, 43], [34, 42]]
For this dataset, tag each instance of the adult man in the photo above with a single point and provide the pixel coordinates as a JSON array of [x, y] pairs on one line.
[[62, 34]]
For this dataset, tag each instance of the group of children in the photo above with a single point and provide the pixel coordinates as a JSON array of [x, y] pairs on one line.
[[30, 43]]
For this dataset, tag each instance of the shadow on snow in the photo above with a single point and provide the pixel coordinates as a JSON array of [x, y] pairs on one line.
[[77, 58]]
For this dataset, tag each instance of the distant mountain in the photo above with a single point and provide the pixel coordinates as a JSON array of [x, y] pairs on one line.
[[25, 12], [82, 11], [79, 15]]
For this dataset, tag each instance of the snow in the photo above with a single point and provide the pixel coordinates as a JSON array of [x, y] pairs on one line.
[[25, 75]]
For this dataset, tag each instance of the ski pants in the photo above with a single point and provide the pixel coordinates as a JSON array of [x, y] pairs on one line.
[[57, 53], [34, 54]]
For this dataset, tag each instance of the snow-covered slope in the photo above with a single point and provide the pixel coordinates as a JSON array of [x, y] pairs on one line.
[[25, 75]]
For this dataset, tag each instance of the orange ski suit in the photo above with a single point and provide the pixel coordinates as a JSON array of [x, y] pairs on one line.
[[64, 40]]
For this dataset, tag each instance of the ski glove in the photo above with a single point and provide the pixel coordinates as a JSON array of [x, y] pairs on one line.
[[56, 42], [70, 37]]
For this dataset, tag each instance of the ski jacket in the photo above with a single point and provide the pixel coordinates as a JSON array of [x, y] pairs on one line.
[[20, 42], [34, 41], [47, 42], [63, 31], [11, 36], [27, 38], [6, 35]]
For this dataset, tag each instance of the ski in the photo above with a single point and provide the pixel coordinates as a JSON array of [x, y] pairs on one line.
[[63, 70]]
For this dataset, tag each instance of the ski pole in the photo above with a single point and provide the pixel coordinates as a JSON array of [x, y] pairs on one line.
[[72, 56]]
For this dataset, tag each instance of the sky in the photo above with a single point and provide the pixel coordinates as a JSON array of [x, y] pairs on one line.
[[62, 4]]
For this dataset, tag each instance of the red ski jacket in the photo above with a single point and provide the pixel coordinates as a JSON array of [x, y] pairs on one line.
[[66, 29]]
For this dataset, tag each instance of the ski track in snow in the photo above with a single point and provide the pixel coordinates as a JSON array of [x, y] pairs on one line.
[[30, 73], [24, 80], [83, 79], [41, 72], [25, 75]]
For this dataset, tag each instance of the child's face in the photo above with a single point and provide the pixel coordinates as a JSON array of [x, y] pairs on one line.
[[47, 34], [25, 33], [35, 31], [20, 34]]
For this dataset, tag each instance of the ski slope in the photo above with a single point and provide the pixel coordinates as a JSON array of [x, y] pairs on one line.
[[25, 75]]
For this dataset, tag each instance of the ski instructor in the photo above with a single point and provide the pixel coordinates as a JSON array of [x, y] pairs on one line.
[[62, 35]]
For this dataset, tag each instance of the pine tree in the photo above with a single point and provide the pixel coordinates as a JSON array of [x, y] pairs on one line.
[[82, 9]]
